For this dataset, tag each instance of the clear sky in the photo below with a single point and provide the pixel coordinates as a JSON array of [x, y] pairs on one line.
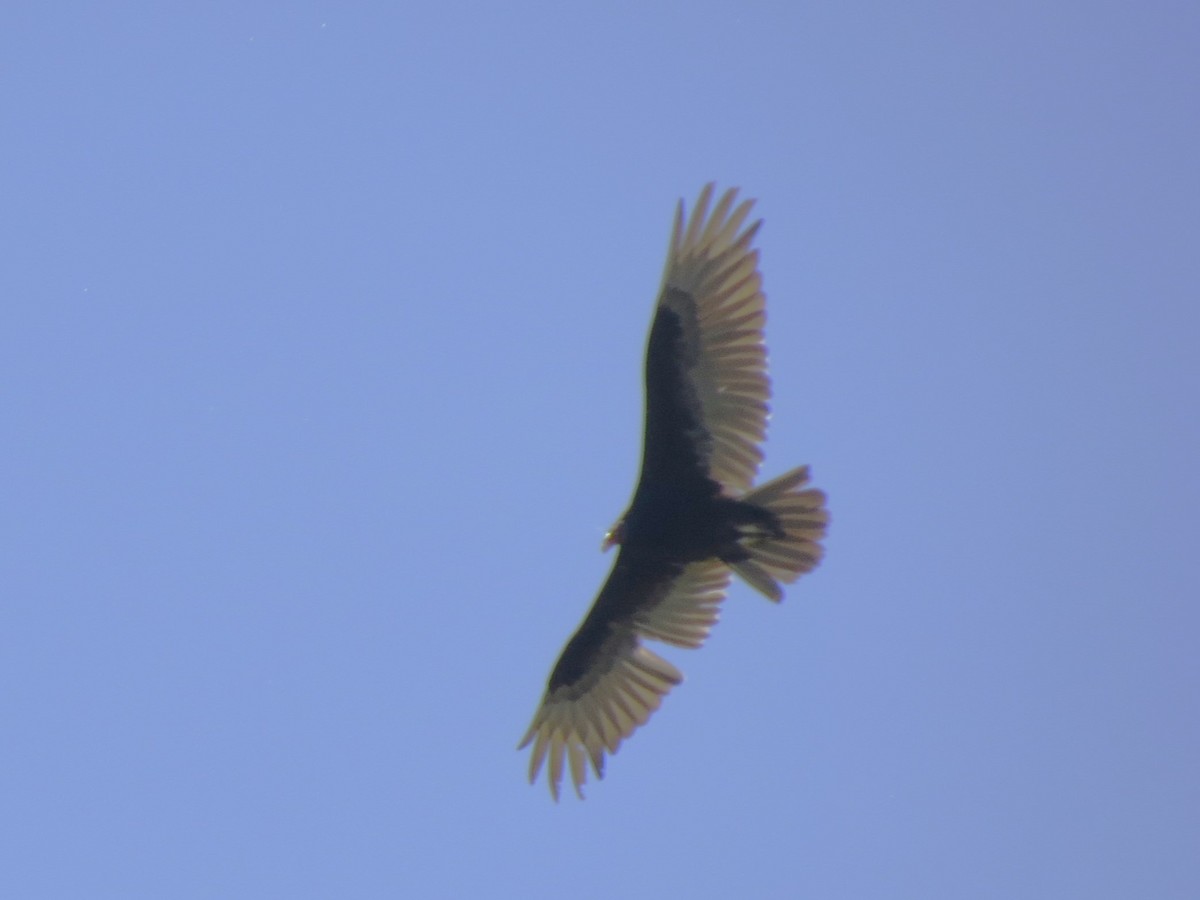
[[320, 357]]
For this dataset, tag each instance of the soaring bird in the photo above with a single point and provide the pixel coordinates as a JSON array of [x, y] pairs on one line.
[[695, 515]]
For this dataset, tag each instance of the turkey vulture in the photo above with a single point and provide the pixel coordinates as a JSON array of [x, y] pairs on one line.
[[695, 515]]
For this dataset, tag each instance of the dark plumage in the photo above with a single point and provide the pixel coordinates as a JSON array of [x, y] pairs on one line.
[[694, 516]]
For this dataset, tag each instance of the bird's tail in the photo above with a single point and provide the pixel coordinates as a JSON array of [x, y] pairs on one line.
[[794, 549]]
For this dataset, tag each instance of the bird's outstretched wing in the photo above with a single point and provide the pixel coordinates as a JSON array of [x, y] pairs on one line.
[[706, 364], [606, 683]]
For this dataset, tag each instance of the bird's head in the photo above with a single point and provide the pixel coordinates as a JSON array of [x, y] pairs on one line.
[[615, 535]]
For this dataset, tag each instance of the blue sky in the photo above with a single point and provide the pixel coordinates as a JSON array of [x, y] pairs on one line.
[[320, 353]]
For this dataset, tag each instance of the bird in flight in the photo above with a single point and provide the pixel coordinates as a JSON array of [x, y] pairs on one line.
[[696, 515]]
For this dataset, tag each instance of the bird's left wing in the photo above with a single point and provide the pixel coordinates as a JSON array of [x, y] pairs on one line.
[[707, 387], [606, 684]]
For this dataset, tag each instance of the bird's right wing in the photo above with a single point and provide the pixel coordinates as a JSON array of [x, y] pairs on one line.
[[606, 684]]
